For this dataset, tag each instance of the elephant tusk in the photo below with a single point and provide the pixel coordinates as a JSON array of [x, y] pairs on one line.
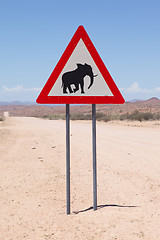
[[95, 75]]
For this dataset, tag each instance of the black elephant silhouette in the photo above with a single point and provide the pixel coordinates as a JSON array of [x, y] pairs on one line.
[[76, 78]]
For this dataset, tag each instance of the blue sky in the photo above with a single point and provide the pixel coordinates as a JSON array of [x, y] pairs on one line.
[[34, 34]]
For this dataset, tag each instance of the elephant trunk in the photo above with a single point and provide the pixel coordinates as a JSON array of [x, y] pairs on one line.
[[92, 77]]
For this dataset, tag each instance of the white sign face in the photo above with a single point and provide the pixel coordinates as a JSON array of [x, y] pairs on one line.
[[75, 79]]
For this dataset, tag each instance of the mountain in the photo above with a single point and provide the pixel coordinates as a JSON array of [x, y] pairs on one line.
[[31, 109]]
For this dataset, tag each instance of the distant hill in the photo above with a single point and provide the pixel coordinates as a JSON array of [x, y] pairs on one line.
[[34, 110], [152, 100]]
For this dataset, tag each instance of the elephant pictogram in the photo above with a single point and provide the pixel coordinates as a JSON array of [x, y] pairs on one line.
[[76, 78]]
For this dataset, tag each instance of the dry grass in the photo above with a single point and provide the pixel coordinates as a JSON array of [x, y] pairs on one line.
[[100, 116], [140, 111]]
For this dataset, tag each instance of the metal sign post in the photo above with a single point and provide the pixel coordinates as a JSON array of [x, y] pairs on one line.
[[68, 158], [94, 157]]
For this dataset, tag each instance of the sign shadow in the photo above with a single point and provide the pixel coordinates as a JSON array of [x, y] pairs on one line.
[[103, 206]]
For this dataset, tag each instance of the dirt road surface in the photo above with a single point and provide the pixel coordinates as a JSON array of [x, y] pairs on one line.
[[33, 181]]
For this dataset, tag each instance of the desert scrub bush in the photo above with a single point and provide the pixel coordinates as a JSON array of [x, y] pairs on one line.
[[107, 118], [1, 118], [99, 117], [148, 116], [157, 116], [104, 117], [54, 117], [81, 116], [137, 116]]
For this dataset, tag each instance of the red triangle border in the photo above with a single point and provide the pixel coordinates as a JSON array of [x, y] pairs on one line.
[[43, 97]]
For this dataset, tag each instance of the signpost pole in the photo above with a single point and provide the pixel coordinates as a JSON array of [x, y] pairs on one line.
[[68, 158], [94, 157]]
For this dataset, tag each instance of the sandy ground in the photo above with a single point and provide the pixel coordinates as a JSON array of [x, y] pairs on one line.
[[32, 181]]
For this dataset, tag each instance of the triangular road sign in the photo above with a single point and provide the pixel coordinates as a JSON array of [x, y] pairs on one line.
[[80, 76]]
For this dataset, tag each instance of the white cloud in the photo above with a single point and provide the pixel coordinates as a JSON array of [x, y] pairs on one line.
[[134, 88], [157, 89], [135, 91], [19, 88], [19, 93]]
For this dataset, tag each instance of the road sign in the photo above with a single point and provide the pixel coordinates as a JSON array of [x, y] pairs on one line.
[[80, 76]]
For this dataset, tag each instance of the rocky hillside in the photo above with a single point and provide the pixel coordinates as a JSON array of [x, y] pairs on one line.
[[151, 105]]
